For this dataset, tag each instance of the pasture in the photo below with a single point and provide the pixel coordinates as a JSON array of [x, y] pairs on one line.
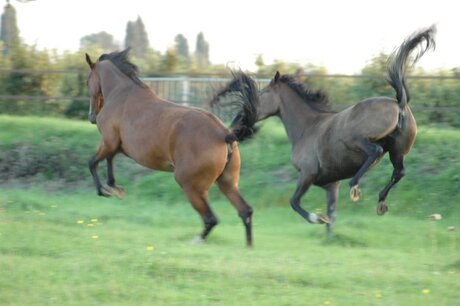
[[60, 244]]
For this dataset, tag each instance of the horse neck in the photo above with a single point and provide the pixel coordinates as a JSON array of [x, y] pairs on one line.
[[111, 79], [297, 116]]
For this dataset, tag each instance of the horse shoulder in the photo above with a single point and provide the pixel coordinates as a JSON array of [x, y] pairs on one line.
[[305, 154]]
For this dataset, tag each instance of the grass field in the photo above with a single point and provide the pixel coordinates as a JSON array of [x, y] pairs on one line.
[[60, 244]]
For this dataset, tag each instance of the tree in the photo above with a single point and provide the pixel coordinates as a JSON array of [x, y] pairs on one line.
[[74, 84], [9, 33], [260, 63], [373, 82], [170, 60], [137, 38], [103, 40], [202, 51], [182, 48]]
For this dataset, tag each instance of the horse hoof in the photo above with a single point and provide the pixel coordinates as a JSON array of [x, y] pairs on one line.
[[117, 192], [382, 208], [355, 193], [104, 192], [322, 219], [198, 240]]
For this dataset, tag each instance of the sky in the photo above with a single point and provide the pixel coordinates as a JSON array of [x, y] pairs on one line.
[[340, 35]]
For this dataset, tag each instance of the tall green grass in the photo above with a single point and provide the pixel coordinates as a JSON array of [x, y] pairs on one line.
[[60, 244]]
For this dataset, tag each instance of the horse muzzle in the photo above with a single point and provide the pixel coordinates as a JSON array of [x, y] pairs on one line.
[[92, 118]]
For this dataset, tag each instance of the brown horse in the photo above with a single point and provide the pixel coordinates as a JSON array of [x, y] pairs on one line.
[[328, 146], [161, 135]]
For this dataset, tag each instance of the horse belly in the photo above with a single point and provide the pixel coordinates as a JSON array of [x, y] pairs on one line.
[[150, 158], [339, 167]]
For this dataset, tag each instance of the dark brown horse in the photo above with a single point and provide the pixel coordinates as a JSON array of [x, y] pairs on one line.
[[328, 146], [161, 135]]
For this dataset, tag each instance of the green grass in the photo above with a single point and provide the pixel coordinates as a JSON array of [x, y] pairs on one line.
[[47, 257]]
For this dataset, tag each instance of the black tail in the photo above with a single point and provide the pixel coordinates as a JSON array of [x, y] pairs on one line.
[[244, 88], [398, 61]]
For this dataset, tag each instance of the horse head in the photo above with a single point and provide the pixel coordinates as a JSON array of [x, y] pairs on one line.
[[95, 92], [270, 98]]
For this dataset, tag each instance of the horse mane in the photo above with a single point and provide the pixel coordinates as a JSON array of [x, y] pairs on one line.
[[121, 61], [318, 99]]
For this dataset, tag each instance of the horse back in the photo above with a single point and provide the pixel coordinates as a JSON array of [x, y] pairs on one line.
[[372, 119], [156, 132]]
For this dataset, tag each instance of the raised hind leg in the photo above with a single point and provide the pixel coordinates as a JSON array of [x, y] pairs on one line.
[[398, 173], [373, 152], [304, 182], [332, 194]]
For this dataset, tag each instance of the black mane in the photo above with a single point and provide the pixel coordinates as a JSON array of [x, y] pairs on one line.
[[120, 60], [316, 99]]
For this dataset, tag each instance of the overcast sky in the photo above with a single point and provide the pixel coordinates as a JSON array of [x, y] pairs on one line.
[[340, 35]]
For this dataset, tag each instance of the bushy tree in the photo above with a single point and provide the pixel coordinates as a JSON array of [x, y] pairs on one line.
[[170, 60], [137, 38], [182, 49], [373, 83], [102, 40], [9, 32], [202, 51], [74, 84]]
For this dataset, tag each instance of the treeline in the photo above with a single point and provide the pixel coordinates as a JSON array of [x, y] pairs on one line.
[[435, 95]]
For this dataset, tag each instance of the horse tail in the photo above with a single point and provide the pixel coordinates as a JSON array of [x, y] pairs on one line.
[[244, 88], [398, 61]]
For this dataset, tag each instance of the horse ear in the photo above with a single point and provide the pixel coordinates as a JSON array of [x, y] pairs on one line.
[[277, 76], [89, 61]]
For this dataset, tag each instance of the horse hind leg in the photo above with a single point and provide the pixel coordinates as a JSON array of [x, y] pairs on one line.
[[397, 161], [245, 211], [373, 152], [199, 201], [228, 185]]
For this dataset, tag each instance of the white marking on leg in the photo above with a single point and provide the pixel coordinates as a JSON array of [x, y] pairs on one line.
[[198, 240], [313, 218]]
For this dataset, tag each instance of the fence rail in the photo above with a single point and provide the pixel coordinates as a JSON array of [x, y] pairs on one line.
[[178, 89], [197, 89], [155, 74]]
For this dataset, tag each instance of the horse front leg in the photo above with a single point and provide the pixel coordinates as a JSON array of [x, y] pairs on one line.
[[398, 173], [119, 192], [332, 194], [102, 153], [303, 184], [93, 163], [373, 152]]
